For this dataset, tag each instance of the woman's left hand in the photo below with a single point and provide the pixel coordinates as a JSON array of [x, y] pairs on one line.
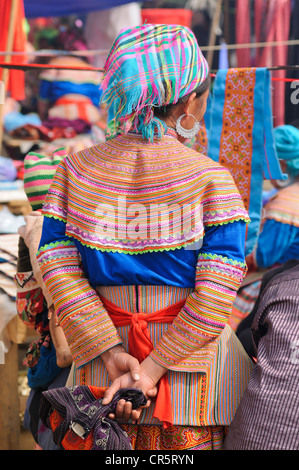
[[118, 362]]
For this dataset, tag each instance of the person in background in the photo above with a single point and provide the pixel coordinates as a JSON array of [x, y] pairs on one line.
[[279, 237], [69, 95], [268, 414]]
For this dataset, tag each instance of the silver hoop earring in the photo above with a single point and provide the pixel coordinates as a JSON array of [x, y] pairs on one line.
[[187, 133]]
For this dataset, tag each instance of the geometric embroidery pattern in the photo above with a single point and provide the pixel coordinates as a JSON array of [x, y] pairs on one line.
[[238, 118]]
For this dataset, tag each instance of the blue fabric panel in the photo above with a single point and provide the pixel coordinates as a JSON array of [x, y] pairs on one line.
[[216, 109], [256, 183], [271, 165]]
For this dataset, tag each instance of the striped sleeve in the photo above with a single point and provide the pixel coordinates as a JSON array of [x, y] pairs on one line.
[[86, 324], [208, 308]]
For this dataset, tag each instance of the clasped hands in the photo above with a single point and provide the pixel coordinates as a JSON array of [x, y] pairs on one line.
[[125, 371]]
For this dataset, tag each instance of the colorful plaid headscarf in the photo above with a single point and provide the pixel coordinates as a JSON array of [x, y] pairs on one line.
[[148, 66]]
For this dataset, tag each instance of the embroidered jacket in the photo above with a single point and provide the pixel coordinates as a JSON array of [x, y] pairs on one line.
[[127, 212]]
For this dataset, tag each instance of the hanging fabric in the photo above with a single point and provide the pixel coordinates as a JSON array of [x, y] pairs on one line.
[[243, 32], [241, 136], [16, 78], [272, 23]]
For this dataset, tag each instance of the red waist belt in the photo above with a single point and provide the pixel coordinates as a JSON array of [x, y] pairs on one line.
[[140, 345]]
